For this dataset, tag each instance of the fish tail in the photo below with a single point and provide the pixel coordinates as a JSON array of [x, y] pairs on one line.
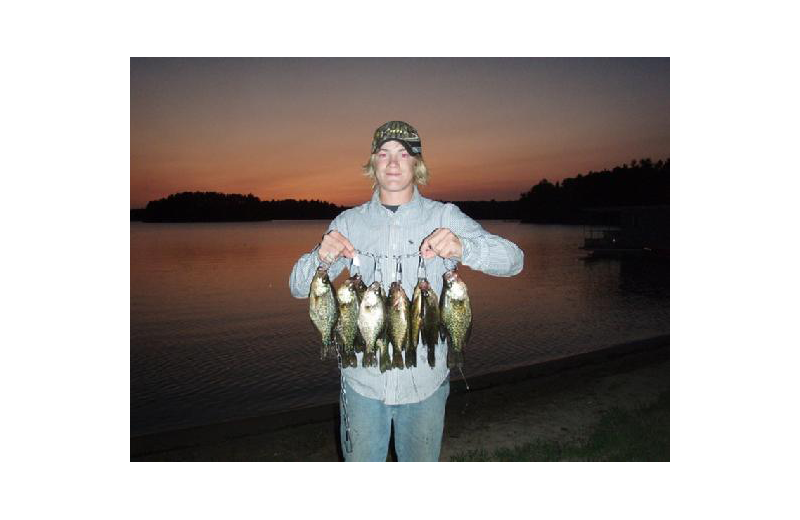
[[432, 355], [455, 358], [411, 356], [369, 359], [385, 358], [397, 359]]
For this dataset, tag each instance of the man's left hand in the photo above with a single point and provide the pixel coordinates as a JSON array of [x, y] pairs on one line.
[[442, 242]]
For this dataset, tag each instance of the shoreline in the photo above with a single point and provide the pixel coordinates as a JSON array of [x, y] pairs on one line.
[[177, 444]]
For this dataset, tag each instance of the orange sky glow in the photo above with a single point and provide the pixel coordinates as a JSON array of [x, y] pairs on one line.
[[301, 128]]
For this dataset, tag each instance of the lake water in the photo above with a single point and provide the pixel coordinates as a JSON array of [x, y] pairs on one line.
[[216, 335]]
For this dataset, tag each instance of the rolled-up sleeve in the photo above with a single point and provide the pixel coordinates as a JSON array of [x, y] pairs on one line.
[[482, 250]]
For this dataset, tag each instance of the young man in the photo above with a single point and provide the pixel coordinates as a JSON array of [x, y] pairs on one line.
[[397, 225]]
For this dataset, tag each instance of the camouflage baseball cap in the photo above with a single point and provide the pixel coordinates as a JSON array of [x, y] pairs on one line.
[[399, 131]]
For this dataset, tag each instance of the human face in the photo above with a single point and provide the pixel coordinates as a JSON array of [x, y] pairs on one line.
[[394, 173]]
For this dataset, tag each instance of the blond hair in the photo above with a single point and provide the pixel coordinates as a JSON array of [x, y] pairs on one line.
[[421, 173]]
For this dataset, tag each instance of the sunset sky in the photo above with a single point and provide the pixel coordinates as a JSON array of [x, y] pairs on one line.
[[301, 128]]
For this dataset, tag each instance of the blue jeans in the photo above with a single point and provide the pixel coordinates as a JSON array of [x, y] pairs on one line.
[[418, 427]]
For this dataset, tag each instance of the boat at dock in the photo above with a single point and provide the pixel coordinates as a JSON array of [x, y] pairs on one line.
[[627, 232]]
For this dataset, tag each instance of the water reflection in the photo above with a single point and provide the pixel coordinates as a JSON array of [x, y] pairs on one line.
[[215, 334]]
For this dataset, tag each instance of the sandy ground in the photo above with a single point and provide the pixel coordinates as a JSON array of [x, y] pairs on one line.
[[558, 407], [563, 403]]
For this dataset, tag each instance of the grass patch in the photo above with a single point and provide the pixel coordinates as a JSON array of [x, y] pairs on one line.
[[640, 434]]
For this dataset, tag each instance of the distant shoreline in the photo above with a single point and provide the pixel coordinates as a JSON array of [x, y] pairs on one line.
[[575, 200]]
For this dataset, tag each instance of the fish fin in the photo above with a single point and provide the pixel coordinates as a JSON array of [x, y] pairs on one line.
[[451, 352], [455, 359]]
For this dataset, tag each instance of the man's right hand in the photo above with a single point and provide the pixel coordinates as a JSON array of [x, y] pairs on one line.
[[334, 245]]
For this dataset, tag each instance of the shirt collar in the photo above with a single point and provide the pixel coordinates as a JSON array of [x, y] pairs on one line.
[[377, 205]]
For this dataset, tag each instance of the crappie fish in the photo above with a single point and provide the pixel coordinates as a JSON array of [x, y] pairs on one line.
[[323, 310], [456, 317], [361, 288], [431, 322], [416, 324], [424, 322], [372, 321], [399, 323], [347, 325]]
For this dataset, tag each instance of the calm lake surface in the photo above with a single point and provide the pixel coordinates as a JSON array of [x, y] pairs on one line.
[[216, 335]]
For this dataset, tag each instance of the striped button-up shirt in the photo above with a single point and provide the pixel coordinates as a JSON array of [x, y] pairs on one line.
[[381, 236]]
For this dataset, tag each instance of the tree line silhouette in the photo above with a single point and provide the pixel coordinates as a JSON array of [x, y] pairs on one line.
[[640, 183], [210, 206]]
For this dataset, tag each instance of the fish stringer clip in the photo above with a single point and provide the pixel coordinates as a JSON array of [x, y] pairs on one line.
[[422, 269], [399, 270]]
